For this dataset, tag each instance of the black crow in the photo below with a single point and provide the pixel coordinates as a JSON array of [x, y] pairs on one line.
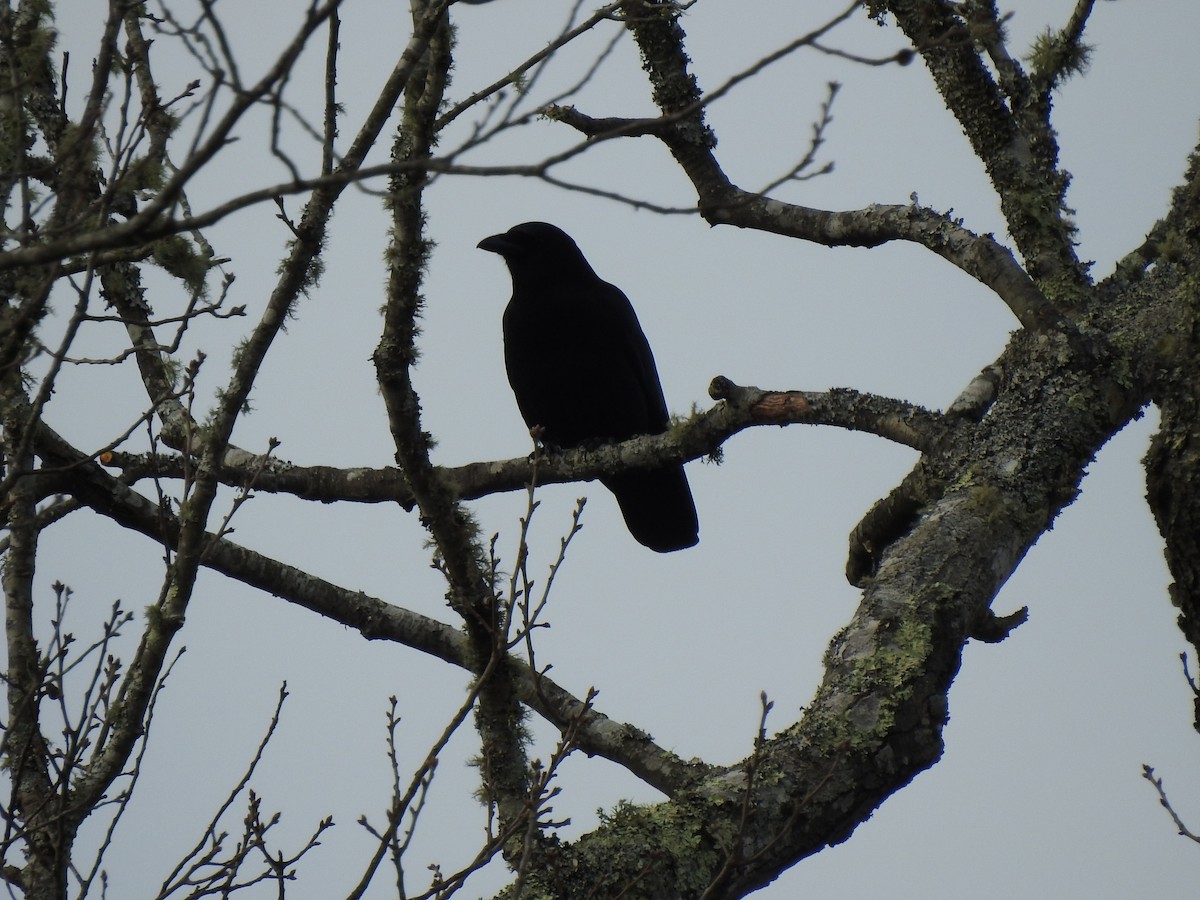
[[582, 371]]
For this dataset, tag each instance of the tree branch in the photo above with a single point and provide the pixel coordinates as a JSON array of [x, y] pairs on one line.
[[375, 619], [1016, 144], [701, 435], [682, 129]]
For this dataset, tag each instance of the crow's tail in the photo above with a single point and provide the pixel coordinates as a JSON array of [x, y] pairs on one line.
[[657, 506]]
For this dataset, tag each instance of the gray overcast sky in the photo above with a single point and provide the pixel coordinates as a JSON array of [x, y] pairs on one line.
[[1039, 793]]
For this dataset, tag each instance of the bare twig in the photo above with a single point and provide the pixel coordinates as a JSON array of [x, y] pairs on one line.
[[1184, 831]]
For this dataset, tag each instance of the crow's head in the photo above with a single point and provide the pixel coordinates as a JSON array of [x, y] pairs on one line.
[[537, 251]]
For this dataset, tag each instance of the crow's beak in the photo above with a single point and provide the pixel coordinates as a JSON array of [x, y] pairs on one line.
[[497, 243]]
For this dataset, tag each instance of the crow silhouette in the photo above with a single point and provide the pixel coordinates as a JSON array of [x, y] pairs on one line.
[[581, 370]]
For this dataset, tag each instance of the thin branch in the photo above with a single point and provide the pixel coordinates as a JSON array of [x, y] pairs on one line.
[[374, 618], [736, 852], [699, 436], [1184, 831], [1016, 144], [721, 202], [600, 15], [126, 794], [402, 803], [1059, 55], [979, 256]]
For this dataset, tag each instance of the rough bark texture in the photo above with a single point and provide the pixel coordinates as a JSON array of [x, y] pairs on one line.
[[994, 472], [987, 489]]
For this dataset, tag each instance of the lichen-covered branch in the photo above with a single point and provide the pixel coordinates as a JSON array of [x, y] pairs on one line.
[[990, 476], [503, 763], [212, 442], [877, 718], [700, 435], [37, 816], [1009, 128], [372, 617], [682, 128]]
